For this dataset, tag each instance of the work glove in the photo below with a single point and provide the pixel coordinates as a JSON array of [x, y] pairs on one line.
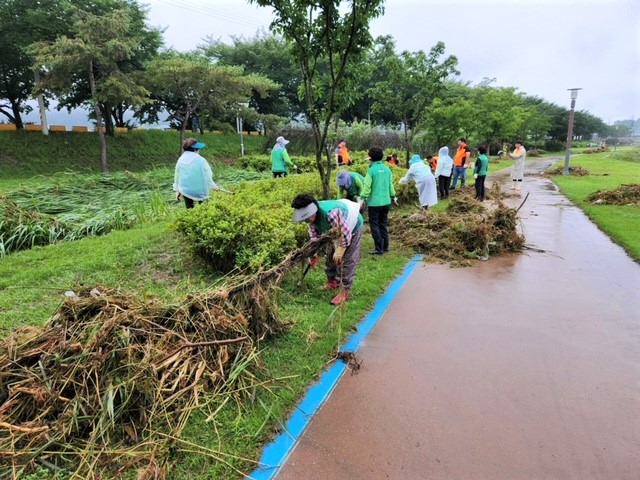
[[314, 261], [338, 254], [295, 167], [395, 200], [475, 175]]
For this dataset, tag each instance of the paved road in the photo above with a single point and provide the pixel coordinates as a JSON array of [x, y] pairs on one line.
[[523, 367]]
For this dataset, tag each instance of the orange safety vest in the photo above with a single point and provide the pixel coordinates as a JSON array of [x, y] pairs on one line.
[[344, 153], [461, 156]]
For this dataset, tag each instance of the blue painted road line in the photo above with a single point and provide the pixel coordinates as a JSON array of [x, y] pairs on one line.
[[276, 453]]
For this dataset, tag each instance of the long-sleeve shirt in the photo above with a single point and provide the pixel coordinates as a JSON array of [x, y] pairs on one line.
[[280, 160], [378, 188], [482, 165], [341, 215]]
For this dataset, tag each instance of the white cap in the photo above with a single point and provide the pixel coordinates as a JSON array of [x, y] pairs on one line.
[[301, 214]]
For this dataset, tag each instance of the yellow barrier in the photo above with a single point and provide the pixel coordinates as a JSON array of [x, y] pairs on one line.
[[254, 133], [57, 128], [7, 127], [33, 128], [217, 132], [79, 128], [121, 130]]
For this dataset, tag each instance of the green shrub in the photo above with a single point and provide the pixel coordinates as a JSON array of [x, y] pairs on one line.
[[253, 229], [234, 235]]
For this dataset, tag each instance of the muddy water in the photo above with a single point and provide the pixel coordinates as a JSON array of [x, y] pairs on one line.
[[522, 367]]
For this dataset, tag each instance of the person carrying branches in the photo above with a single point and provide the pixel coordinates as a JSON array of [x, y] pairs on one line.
[[342, 217]]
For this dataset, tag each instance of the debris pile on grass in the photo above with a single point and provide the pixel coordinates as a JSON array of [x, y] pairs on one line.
[[110, 381], [466, 230], [623, 195], [575, 171]]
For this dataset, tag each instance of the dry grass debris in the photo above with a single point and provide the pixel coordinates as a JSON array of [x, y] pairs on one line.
[[623, 195], [110, 381], [576, 171], [466, 230]]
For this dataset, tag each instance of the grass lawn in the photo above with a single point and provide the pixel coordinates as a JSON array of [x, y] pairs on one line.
[[607, 172], [150, 259]]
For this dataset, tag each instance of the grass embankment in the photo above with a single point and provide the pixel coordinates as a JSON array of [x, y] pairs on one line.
[[608, 171], [150, 260], [25, 154]]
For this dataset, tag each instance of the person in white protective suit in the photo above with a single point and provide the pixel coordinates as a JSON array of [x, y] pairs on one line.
[[425, 181]]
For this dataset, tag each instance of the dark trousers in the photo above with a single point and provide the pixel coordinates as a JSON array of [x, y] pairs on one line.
[[379, 222], [443, 186], [189, 203], [279, 174], [480, 187]]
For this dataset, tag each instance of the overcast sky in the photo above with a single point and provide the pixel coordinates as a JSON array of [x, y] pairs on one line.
[[542, 47]]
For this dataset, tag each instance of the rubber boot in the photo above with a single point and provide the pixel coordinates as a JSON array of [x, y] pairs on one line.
[[332, 284], [340, 298]]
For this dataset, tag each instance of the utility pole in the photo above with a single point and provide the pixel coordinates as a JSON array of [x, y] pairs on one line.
[[567, 155], [41, 106]]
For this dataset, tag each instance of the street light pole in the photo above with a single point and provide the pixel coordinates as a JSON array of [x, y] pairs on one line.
[[239, 127], [567, 155]]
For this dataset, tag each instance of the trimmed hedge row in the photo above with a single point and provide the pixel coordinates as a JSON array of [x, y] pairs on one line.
[[253, 229]]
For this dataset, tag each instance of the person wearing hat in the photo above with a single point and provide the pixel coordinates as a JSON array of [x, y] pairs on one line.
[[378, 192], [342, 216], [425, 181], [193, 178], [280, 158], [350, 185]]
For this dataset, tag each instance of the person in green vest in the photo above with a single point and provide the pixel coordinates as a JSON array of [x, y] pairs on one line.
[[378, 193], [343, 217], [280, 158], [350, 185], [480, 172]]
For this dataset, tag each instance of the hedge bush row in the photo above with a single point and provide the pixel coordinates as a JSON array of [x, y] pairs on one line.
[[253, 230]]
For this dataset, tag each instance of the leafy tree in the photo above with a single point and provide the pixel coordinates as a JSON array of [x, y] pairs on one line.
[[23, 22], [414, 81], [370, 72], [186, 84], [266, 55], [500, 114], [99, 44], [323, 31], [144, 48]]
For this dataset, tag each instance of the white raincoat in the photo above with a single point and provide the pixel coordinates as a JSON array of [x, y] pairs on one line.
[[425, 181], [193, 177]]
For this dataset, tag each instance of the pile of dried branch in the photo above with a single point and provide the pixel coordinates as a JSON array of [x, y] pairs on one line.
[[623, 195], [575, 171], [466, 230], [111, 380]]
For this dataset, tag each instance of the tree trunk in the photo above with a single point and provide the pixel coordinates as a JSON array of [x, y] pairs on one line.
[[17, 119], [108, 120], [183, 129], [406, 143], [99, 123]]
